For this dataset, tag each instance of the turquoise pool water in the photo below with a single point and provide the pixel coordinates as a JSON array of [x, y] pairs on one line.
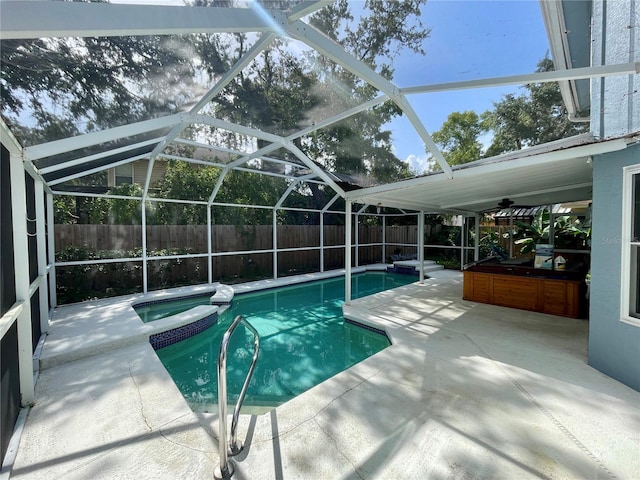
[[304, 340]]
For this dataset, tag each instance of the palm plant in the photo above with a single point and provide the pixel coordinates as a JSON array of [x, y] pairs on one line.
[[535, 233], [567, 229]]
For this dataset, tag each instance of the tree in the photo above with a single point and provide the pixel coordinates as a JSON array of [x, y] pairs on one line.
[[183, 181], [100, 82], [360, 145], [533, 118], [458, 137], [95, 82], [123, 211], [188, 182]]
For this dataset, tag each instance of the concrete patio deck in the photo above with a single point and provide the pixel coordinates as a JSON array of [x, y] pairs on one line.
[[466, 391]]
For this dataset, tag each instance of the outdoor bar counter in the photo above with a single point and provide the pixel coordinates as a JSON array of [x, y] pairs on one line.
[[557, 292]]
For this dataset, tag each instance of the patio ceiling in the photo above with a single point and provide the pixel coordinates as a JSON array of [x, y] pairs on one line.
[[529, 177]]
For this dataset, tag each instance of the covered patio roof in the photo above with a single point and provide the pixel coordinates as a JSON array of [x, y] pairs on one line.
[[556, 172]]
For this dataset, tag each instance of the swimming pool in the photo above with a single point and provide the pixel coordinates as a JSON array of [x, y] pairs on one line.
[[304, 340]]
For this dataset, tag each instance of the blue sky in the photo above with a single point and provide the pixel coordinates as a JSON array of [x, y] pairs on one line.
[[469, 40]]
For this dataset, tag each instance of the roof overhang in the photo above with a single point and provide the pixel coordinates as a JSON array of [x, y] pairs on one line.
[[568, 25], [556, 172]]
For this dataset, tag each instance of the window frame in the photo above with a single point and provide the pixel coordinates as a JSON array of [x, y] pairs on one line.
[[116, 176], [630, 278]]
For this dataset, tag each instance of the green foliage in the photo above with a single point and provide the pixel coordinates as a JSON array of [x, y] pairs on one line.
[[124, 211], [99, 82], [529, 235], [458, 137], [568, 232], [517, 121], [533, 118], [489, 243], [184, 181], [77, 283]]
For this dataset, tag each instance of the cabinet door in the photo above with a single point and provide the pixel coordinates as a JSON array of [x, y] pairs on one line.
[[555, 297], [477, 287], [516, 292], [481, 292]]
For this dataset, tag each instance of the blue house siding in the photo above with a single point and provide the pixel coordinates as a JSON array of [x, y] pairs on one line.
[[614, 346]]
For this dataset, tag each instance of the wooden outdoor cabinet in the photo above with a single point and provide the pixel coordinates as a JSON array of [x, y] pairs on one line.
[[547, 295]]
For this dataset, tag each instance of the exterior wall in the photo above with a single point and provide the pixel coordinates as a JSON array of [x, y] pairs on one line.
[[615, 101], [614, 346]]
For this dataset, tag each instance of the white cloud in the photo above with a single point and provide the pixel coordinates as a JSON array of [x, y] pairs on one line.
[[419, 164]]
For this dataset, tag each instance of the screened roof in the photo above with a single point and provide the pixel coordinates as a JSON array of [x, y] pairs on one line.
[[187, 108]]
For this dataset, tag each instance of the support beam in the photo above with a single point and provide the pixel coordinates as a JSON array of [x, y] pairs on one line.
[[357, 238], [314, 167], [275, 243], [321, 241], [476, 243], [463, 240], [384, 239], [209, 247], [542, 77], [347, 254], [144, 247], [234, 127], [341, 116], [20, 257], [41, 242], [97, 156], [51, 245], [421, 245], [91, 171], [307, 7], [216, 188], [323, 44], [290, 189], [262, 43], [44, 19], [95, 138]]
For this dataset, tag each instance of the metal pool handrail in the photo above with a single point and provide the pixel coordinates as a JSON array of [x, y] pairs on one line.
[[225, 469]]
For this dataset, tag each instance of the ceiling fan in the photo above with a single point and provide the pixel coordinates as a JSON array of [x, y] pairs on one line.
[[504, 204]]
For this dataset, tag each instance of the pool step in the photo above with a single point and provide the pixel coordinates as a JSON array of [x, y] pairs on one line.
[[412, 267]]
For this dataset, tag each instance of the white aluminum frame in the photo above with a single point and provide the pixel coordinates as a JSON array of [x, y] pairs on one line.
[[33, 19]]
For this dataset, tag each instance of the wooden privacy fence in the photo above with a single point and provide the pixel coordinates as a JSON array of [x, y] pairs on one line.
[[99, 260], [111, 240]]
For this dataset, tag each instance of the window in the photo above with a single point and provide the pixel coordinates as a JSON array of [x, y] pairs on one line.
[[630, 307], [124, 174]]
